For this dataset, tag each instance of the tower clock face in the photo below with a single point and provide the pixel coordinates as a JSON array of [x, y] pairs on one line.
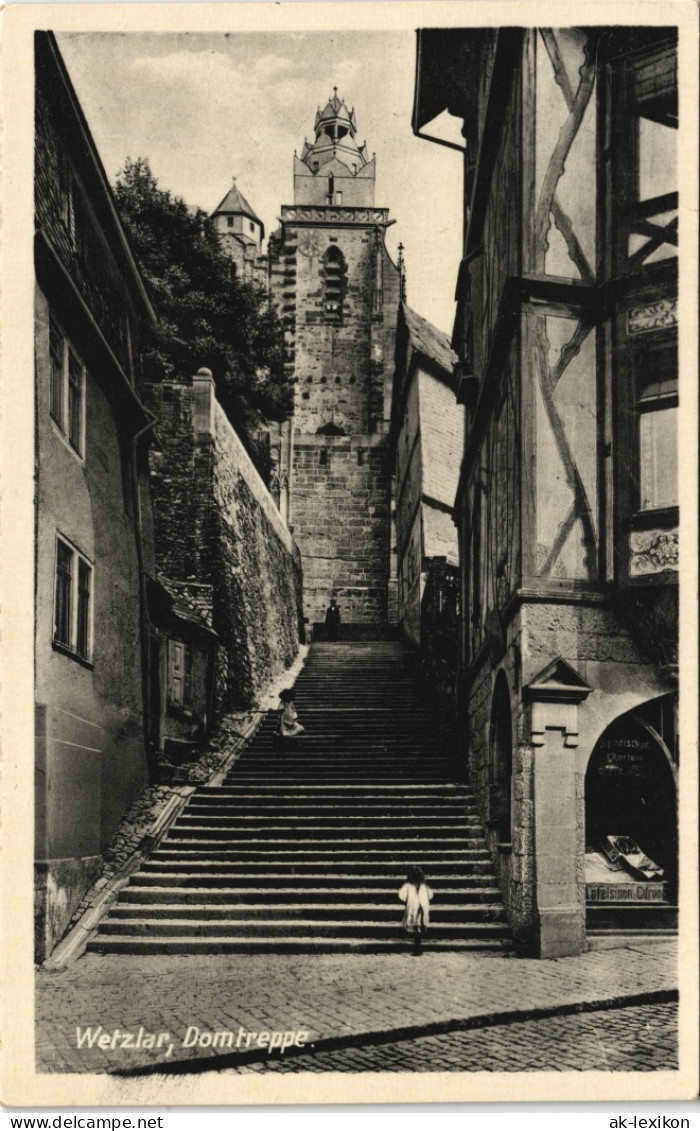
[[310, 244]]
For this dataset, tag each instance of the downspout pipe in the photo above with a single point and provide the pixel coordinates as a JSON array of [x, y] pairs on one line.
[[144, 620]]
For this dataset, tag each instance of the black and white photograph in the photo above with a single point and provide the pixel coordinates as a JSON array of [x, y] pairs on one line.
[[360, 758]]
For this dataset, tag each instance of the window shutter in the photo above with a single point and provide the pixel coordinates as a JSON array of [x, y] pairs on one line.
[[176, 673]]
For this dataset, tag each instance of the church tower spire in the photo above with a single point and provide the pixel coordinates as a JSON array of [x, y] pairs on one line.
[[337, 292], [334, 168]]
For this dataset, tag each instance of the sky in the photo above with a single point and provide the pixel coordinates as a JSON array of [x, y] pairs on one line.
[[205, 107]]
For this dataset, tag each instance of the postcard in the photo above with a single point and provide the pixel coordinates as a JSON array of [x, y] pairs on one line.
[[349, 415]]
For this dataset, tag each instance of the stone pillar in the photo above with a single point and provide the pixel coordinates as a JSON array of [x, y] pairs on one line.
[[204, 404], [559, 898]]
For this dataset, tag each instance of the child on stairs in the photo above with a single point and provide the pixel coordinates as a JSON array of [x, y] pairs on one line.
[[416, 895], [289, 727]]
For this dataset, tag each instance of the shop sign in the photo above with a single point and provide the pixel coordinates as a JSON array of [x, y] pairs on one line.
[[625, 757], [625, 893]]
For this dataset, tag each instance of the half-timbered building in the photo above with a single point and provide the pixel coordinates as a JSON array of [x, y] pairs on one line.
[[567, 506]]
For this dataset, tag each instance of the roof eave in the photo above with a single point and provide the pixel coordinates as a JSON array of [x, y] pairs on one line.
[[94, 156]]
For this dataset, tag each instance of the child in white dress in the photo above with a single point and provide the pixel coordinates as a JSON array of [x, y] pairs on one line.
[[289, 727], [416, 895]]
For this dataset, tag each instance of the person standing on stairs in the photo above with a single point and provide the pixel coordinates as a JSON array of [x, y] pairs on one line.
[[416, 895], [332, 621], [289, 726]]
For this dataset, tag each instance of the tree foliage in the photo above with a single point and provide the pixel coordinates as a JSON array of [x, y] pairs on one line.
[[207, 316]]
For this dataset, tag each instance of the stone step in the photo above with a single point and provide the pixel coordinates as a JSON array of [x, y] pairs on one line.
[[324, 836], [329, 852], [467, 894], [270, 910], [192, 854], [361, 812], [369, 789], [290, 928], [395, 748], [378, 874], [289, 780], [125, 944], [322, 764], [395, 752], [383, 721], [346, 827]]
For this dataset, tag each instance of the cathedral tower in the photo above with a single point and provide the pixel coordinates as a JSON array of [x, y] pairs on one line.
[[337, 291]]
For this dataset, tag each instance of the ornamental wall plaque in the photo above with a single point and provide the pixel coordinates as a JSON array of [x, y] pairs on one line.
[[653, 551], [655, 316]]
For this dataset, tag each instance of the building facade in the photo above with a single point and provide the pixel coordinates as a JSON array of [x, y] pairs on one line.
[[566, 332], [427, 440], [337, 292], [94, 536]]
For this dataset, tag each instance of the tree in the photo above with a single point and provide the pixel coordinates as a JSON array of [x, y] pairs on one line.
[[207, 317]]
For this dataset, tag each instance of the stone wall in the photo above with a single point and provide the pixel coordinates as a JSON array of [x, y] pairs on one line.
[[550, 772], [216, 524], [342, 365], [340, 516]]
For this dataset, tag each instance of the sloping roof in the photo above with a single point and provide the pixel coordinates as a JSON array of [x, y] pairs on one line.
[[234, 201], [335, 108], [428, 340], [191, 601]]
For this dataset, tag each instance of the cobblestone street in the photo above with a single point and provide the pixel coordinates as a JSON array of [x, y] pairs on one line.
[[638, 1039], [368, 997]]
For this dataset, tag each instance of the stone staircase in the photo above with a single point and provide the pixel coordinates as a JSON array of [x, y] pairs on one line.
[[304, 847]]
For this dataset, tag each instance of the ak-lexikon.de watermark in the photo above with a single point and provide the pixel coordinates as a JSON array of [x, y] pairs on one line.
[[649, 1122]]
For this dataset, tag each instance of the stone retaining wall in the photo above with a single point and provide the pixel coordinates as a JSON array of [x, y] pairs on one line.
[[217, 524]]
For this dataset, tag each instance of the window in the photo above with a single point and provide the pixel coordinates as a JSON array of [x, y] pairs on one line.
[[67, 388], [251, 226], [229, 221], [658, 473], [657, 407], [72, 628], [179, 675], [653, 212], [334, 273]]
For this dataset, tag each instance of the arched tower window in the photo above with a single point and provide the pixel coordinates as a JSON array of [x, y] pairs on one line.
[[334, 272]]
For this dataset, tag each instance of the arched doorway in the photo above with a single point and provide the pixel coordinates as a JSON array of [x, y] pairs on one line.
[[631, 826]]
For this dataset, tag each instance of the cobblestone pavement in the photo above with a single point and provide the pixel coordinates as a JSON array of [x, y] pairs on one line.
[[325, 996], [641, 1039]]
